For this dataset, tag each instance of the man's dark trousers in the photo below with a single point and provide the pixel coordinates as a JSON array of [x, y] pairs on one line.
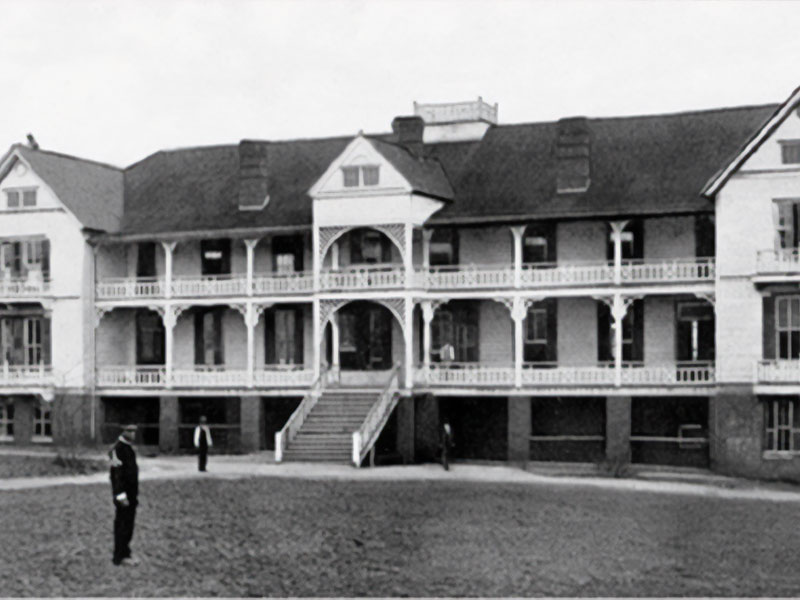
[[202, 457], [123, 531]]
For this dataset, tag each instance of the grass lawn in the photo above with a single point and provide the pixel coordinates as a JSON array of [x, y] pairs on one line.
[[283, 537], [12, 465]]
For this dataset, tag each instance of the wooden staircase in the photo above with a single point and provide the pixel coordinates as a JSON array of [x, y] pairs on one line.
[[326, 435]]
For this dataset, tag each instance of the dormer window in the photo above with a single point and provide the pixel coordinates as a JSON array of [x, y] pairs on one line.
[[790, 152], [24, 198], [366, 175]]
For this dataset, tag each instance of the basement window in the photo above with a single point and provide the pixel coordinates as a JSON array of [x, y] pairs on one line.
[[782, 431]]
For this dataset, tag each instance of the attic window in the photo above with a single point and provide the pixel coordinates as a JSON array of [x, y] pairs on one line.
[[24, 198], [790, 152], [369, 175]]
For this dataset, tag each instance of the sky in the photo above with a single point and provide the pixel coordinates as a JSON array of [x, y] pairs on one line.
[[118, 80]]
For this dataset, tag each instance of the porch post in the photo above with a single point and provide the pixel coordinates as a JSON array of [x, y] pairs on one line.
[[250, 246], [408, 334], [169, 247], [616, 233], [408, 256], [517, 231], [427, 319], [170, 317], [316, 324], [518, 314], [335, 340], [618, 309]]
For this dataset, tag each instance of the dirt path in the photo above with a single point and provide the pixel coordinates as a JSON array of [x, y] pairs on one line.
[[260, 465]]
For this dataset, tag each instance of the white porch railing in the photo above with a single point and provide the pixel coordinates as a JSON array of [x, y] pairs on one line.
[[778, 261], [699, 373], [552, 274], [681, 269], [209, 376], [466, 276], [129, 287], [363, 277], [136, 376], [280, 375], [549, 374], [209, 286], [283, 283], [465, 374], [778, 371], [15, 375], [23, 288], [366, 436], [284, 437]]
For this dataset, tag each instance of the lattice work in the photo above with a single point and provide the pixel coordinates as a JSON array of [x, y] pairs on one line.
[[327, 308], [397, 307], [327, 235]]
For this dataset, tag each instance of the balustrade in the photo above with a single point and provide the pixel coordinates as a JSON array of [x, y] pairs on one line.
[[15, 375], [203, 376], [467, 276], [125, 288], [211, 286], [692, 269], [366, 277], [23, 288], [778, 371], [283, 283], [785, 260]]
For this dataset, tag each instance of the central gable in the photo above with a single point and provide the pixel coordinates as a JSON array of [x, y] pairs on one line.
[[360, 171]]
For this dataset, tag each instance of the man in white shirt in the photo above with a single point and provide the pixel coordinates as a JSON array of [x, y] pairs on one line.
[[202, 441]]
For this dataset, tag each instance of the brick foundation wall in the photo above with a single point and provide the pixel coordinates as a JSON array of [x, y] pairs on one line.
[[519, 428]]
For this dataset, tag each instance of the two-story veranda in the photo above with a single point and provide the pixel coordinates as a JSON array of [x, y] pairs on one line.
[[574, 323]]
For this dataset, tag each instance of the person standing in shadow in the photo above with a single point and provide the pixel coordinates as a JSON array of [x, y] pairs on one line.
[[446, 443], [202, 441]]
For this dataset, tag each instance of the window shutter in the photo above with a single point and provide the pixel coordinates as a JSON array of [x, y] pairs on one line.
[[298, 336], [219, 349], [603, 332], [18, 267], [269, 336], [768, 309], [18, 345], [199, 346], [46, 351], [638, 330], [776, 221], [46, 259], [552, 330]]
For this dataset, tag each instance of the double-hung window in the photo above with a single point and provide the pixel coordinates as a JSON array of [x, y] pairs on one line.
[[6, 422], [42, 425], [782, 419], [786, 219], [367, 175], [25, 198], [540, 332], [787, 327]]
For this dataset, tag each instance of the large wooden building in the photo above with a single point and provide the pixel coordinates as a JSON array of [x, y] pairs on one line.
[[586, 290]]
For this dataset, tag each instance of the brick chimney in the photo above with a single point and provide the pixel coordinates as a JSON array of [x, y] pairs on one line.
[[253, 175], [572, 151], [408, 131]]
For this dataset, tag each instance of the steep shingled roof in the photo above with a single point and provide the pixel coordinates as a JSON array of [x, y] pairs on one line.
[[91, 191], [425, 175]]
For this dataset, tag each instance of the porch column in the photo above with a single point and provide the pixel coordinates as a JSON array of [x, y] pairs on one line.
[[619, 307], [316, 261], [250, 246], [169, 247], [408, 334], [250, 320], [335, 340], [426, 248], [408, 256], [170, 317], [616, 234], [517, 231], [427, 319], [518, 313], [316, 324]]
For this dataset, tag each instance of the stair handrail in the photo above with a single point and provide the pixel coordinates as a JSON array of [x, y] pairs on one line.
[[366, 435], [295, 422]]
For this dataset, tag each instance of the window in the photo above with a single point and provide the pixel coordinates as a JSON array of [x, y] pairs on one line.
[[215, 257], [208, 345], [347, 332], [371, 247], [350, 176], [786, 217], [25, 198], [149, 339], [18, 258], [536, 326], [632, 333], [444, 246], [782, 420], [6, 422], [12, 198], [284, 263], [33, 341], [284, 336], [29, 198], [695, 331], [287, 253], [42, 425], [146, 259], [787, 327], [370, 175], [455, 327], [790, 152], [538, 243]]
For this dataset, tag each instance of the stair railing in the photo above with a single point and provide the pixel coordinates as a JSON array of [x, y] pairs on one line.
[[285, 436], [366, 436]]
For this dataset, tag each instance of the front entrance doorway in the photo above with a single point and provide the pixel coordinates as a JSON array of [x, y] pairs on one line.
[[365, 337]]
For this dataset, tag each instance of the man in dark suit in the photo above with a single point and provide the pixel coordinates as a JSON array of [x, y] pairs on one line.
[[202, 441], [125, 489]]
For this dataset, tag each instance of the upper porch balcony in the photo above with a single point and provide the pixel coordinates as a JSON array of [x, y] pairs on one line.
[[779, 264]]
